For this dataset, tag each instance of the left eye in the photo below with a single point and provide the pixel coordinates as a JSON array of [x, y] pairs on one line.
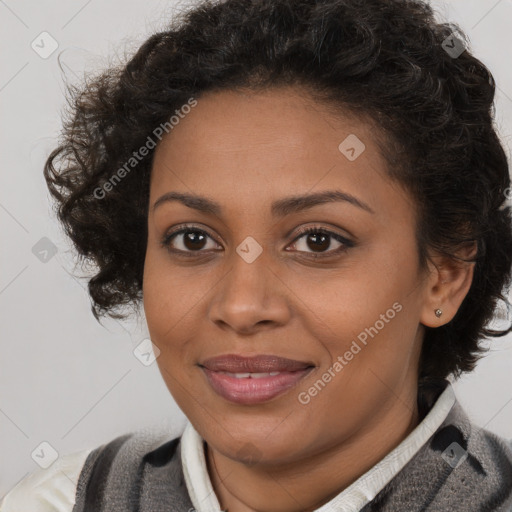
[[193, 240], [321, 239]]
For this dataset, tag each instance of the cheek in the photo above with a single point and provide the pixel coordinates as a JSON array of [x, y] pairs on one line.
[[340, 305], [368, 317], [158, 304], [174, 302], [168, 291], [163, 298]]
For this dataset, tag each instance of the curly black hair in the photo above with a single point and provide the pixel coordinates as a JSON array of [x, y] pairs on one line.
[[387, 60]]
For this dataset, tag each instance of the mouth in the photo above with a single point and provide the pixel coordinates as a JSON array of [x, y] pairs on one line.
[[253, 380]]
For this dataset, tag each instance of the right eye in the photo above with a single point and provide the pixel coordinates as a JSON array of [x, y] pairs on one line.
[[187, 240]]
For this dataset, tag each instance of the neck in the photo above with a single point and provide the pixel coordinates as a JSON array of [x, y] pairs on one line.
[[311, 482]]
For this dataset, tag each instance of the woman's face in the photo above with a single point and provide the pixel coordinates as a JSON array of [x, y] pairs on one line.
[[244, 281]]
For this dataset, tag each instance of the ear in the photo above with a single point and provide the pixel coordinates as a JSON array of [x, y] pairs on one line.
[[447, 285]]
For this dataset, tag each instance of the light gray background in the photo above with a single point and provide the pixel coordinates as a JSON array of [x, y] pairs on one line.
[[64, 378]]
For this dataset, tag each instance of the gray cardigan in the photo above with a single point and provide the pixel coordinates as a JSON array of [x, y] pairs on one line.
[[460, 469]]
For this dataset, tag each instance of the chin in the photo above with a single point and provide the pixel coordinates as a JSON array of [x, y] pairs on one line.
[[254, 445]]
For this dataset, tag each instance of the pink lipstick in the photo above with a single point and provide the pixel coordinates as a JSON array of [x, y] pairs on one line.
[[253, 380]]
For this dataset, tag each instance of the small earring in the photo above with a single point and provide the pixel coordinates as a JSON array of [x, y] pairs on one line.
[[438, 312]]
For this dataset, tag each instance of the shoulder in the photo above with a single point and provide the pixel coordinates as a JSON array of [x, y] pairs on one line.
[[123, 456], [62, 485], [134, 471], [474, 456], [487, 453], [474, 465], [461, 467], [494, 454], [50, 489]]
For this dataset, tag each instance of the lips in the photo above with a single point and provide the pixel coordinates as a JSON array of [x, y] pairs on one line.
[[253, 380], [234, 363]]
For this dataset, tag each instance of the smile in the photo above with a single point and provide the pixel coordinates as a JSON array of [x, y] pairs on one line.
[[253, 380]]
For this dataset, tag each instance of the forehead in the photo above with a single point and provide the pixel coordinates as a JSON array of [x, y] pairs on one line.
[[269, 144], [257, 116]]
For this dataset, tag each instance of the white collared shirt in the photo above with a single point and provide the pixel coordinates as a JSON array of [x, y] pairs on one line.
[[351, 499]]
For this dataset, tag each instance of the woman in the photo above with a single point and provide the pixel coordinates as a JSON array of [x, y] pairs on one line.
[[309, 200]]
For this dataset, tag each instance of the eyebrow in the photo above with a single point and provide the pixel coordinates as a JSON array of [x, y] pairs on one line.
[[279, 208]]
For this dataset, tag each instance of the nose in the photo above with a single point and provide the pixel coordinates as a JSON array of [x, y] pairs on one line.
[[250, 297]]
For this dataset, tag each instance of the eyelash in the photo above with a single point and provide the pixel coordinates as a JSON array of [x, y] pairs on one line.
[[347, 244]]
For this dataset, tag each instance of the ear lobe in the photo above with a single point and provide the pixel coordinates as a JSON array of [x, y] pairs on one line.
[[448, 284]]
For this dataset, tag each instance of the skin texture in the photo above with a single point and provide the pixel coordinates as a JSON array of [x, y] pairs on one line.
[[245, 150]]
